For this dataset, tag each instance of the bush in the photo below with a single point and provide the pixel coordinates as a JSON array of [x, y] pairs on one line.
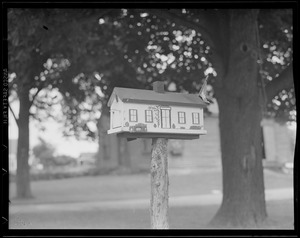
[[44, 152], [63, 160]]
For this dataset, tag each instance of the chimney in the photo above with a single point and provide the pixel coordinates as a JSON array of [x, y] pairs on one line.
[[158, 86]]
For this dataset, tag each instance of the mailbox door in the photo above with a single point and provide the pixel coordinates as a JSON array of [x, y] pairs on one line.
[[165, 118], [116, 119]]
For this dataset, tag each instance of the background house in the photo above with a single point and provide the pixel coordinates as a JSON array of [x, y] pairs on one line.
[[205, 152], [279, 144], [87, 158], [202, 152]]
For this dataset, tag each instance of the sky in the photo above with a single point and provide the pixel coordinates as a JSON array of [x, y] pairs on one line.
[[53, 135]]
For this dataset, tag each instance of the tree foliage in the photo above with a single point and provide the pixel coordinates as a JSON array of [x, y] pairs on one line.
[[143, 47], [40, 49], [133, 47], [276, 42], [86, 59], [46, 53]]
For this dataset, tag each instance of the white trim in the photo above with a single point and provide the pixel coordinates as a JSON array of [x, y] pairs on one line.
[[114, 130], [159, 130]]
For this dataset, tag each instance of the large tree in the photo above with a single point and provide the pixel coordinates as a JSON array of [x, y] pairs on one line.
[[241, 92], [70, 51], [251, 53], [41, 45]]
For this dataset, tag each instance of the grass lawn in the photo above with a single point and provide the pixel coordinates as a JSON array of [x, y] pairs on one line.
[[197, 217], [137, 186], [118, 187]]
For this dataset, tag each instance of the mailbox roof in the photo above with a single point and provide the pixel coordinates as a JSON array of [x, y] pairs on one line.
[[151, 97]]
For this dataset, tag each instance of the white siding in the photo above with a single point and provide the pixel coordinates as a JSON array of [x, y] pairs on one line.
[[140, 114], [116, 113], [188, 116], [155, 126]]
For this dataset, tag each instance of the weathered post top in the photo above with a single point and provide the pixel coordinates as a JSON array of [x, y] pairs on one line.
[[158, 86]]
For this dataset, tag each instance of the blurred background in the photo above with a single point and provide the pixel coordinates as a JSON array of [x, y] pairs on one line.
[[62, 67]]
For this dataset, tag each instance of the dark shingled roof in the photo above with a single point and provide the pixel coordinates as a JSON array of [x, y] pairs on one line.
[[152, 97]]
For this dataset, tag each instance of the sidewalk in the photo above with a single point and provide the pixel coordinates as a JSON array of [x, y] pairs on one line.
[[180, 201]]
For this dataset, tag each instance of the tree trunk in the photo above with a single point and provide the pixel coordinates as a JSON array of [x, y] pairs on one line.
[[159, 184], [240, 114], [123, 153], [23, 168], [103, 139], [243, 202]]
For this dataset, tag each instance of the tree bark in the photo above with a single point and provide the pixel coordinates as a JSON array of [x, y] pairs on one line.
[[103, 139], [243, 202], [23, 168], [240, 114], [159, 203], [123, 153]]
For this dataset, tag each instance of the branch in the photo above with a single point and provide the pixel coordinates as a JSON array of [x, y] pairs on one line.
[[213, 26], [37, 92], [205, 26], [86, 19], [16, 119], [283, 81], [97, 15]]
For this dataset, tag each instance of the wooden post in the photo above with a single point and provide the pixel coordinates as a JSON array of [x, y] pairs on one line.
[[159, 184]]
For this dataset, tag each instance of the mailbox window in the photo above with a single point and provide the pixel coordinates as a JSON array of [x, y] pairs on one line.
[[148, 116], [132, 115], [196, 119], [181, 117]]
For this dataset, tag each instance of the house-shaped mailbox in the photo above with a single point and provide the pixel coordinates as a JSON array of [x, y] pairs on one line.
[[137, 113]]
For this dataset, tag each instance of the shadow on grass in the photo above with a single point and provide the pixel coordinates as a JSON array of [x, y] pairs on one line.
[[196, 217]]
